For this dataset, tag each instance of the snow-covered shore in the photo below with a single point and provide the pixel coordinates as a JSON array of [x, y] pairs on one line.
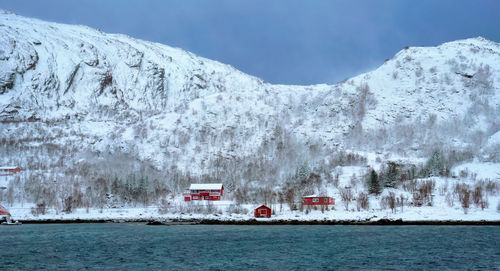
[[341, 216]]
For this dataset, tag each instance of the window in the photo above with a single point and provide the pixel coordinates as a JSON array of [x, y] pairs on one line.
[[315, 200], [207, 197], [194, 191], [325, 200], [195, 197]]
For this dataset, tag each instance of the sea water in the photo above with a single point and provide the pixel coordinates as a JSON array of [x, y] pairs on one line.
[[136, 246]]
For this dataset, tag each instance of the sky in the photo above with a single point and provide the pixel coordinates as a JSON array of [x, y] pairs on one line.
[[282, 41]]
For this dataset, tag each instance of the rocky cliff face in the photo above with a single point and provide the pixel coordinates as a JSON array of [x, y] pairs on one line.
[[55, 71], [72, 97]]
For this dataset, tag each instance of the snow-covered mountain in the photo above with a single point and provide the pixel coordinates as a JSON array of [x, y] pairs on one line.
[[74, 98]]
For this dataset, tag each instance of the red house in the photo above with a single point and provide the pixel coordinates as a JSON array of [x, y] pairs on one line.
[[262, 211], [204, 191], [318, 200], [9, 170], [3, 211]]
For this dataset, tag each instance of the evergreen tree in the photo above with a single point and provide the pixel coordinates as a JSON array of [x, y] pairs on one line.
[[302, 172], [391, 175], [435, 166], [115, 186], [374, 185], [341, 159], [143, 189]]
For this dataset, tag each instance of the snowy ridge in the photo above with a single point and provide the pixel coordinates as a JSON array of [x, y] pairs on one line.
[[109, 86]]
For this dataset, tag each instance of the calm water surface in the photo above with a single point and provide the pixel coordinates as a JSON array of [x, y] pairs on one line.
[[135, 246]]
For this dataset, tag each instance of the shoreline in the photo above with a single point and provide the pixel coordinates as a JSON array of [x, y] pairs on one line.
[[172, 222]]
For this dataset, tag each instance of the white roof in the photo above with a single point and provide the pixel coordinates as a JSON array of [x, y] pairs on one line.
[[316, 196], [205, 186], [11, 167]]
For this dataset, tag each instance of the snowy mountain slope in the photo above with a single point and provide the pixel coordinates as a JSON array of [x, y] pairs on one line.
[[452, 91], [67, 69], [436, 80], [68, 93]]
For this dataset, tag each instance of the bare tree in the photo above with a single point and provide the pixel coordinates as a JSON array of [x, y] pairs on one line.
[[290, 199], [40, 209], [478, 197], [389, 201], [362, 201], [346, 196], [463, 196]]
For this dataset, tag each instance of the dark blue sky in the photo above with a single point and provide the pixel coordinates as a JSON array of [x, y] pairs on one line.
[[285, 41]]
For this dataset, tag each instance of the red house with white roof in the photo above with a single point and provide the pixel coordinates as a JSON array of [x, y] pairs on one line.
[[9, 170], [318, 200], [204, 191]]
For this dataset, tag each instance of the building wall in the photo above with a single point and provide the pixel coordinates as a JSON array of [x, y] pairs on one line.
[[258, 213], [203, 195], [10, 170], [319, 201]]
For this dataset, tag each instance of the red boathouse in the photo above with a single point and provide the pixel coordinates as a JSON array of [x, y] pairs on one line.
[[318, 200], [262, 211], [204, 191]]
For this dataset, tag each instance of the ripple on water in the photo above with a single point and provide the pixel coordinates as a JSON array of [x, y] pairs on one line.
[[204, 247]]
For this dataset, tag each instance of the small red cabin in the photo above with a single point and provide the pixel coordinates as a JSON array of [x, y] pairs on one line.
[[318, 200], [262, 211], [9, 170], [204, 191]]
